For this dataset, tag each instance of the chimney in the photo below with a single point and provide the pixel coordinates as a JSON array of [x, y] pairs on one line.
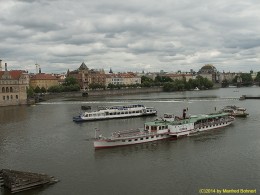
[[5, 66], [0, 65]]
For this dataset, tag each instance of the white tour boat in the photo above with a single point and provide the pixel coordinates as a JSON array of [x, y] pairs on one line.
[[169, 126], [134, 110]]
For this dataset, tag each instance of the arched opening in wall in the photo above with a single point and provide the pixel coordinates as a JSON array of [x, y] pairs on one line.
[[7, 97], [16, 96], [11, 89], [3, 97], [11, 97], [7, 89], [3, 90]]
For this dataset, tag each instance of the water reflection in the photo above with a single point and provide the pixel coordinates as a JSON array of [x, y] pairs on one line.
[[12, 114], [162, 145]]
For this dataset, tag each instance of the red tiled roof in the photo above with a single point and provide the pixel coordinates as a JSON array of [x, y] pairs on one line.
[[15, 74], [43, 77]]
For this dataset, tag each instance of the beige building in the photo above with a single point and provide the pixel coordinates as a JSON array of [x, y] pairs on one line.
[[123, 79], [86, 76], [13, 86], [43, 80], [180, 76]]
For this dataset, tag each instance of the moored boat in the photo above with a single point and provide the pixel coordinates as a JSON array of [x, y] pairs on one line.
[[235, 111], [134, 110], [169, 126]]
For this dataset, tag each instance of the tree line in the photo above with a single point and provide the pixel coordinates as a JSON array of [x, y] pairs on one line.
[[71, 84], [169, 84], [244, 79]]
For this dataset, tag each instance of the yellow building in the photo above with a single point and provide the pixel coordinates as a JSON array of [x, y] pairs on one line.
[[43, 80], [123, 79], [13, 86]]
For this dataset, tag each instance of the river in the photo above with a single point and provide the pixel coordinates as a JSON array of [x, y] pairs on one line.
[[44, 139]]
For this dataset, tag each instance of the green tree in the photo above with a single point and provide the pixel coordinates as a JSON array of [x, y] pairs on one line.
[[30, 92], [43, 90], [162, 79], [257, 78], [37, 89], [70, 81]]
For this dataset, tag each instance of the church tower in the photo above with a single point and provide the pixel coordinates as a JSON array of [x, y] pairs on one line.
[[0, 65]]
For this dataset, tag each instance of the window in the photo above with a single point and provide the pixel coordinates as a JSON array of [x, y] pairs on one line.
[[16, 96], [3, 97], [3, 90], [142, 138], [129, 140], [11, 97], [7, 97], [136, 139], [11, 90], [7, 89]]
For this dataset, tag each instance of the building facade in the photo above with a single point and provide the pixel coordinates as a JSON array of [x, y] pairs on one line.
[[43, 81], [210, 72], [86, 76], [180, 76], [123, 79], [13, 86]]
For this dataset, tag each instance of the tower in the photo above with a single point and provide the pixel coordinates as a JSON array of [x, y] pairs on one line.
[[37, 68]]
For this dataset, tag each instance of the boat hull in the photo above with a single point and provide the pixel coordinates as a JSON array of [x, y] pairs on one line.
[[80, 119], [99, 144]]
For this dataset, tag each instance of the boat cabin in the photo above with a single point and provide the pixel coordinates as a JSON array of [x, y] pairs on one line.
[[169, 117]]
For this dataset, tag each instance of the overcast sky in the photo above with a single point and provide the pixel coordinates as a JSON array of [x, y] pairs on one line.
[[133, 35]]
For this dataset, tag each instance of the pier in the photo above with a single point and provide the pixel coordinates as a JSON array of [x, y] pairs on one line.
[[244, 97], [17, 181]]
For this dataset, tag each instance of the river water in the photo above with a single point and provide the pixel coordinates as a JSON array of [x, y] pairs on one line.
[[44, 139]]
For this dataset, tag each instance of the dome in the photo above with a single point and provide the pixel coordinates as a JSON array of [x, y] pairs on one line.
[[208, 68]]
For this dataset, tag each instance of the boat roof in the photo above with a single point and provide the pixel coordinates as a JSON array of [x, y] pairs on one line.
[[192, 119]]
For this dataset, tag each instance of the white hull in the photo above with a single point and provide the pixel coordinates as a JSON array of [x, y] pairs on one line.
[[116, 116], [210, 127], [115, 113], [129, 141], [162, 129]]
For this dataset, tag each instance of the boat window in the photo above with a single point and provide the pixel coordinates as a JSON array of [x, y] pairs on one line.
[[129, 140], [136, 139], [122, 113], [147, 138], [153, 127], [147, 127], [90, 114], [141, 138], [152, 136], [123, 140]]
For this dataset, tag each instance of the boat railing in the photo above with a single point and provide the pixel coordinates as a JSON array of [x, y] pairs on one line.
[[132, 134]]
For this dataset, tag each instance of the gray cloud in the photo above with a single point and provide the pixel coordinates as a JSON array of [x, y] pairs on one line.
[[135, 35]]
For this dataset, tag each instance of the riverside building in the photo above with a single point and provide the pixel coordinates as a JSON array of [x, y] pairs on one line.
[[13, 86]]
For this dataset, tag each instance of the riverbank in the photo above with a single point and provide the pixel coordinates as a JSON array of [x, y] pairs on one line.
[[98, 93]]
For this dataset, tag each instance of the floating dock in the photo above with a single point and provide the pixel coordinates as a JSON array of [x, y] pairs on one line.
[[17, 181], [244, 97]]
